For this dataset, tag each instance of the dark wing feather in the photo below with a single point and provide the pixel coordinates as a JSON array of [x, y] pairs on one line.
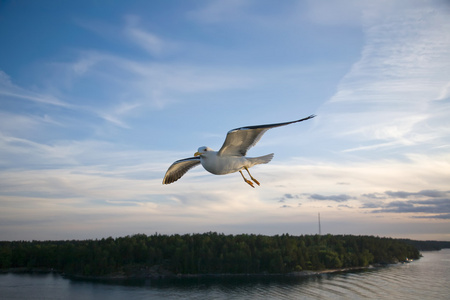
[[239, 140], [179, 168]]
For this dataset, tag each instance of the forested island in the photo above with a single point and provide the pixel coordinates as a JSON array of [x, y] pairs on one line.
[[201, 254]]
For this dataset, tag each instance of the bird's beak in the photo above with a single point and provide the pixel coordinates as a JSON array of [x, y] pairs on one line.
[[197, 154]]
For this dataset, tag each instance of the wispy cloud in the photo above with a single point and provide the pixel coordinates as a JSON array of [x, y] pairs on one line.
[[433, 204], [432, 208], [218, 11], [336, 198], [147, 40], [10, 90], [387, 99], [426, 193], [331, 13], [140, 82]]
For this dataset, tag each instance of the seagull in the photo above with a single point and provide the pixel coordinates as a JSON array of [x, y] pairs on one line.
[[231, 157]]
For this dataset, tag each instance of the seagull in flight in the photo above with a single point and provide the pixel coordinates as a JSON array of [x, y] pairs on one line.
[[231, 157]]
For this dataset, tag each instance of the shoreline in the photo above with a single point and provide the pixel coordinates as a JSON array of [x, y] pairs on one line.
[[163, 274], [156, 273]]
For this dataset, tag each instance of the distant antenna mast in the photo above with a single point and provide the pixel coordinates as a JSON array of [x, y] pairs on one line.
[[320, 230]]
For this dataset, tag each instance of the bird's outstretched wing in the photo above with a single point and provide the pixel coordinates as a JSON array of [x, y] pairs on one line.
[[239, 140], [179, 168]]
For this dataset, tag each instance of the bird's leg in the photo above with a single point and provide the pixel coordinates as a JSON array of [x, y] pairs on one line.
[[256, 181], [246, 180]]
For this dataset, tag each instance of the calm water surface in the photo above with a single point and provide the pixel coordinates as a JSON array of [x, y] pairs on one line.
[[427, 278]]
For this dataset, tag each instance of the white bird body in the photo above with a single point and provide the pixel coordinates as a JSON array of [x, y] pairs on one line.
[[231, 156], [221, 165]]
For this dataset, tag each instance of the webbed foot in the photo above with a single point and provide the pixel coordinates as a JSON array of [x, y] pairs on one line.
[[256, 181], [247, 181]]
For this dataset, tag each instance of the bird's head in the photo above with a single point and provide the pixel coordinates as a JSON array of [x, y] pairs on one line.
[[202, 151]]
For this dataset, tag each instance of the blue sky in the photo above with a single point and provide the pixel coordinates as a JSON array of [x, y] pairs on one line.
[[98, 98]]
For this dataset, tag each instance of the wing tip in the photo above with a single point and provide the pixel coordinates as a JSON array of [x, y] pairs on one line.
[[168, 180], [304, 119], [309, 117]]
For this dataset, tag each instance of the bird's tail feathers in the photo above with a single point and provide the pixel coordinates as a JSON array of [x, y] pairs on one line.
[[261, 159]]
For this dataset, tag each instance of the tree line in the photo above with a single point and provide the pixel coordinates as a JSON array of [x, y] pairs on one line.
[[207, 253], [428, 245]]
